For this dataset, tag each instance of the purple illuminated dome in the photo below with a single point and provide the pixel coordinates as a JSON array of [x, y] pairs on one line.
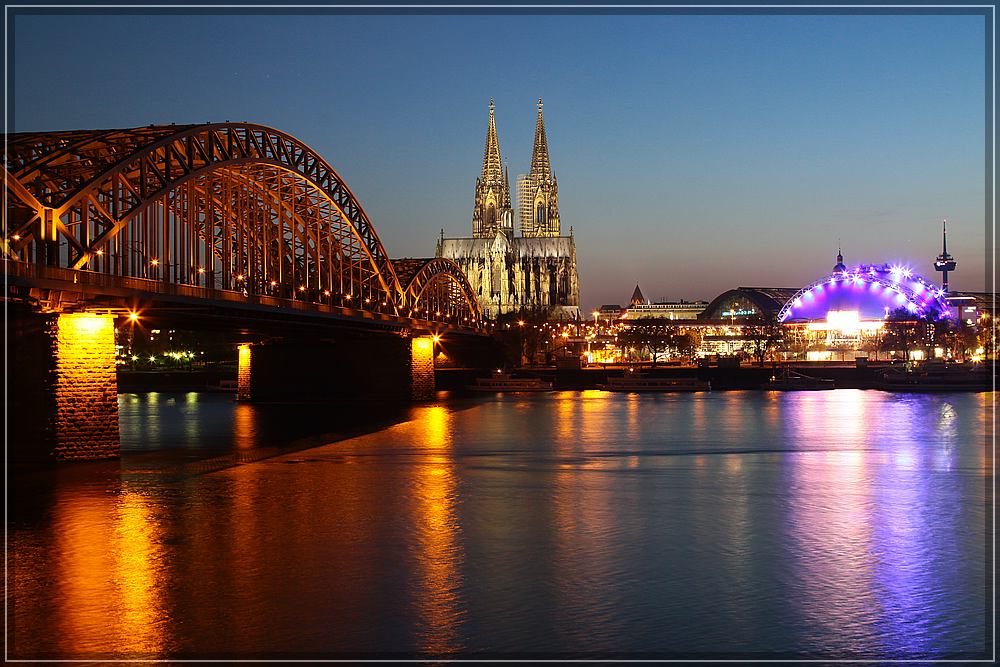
[[871, 290]]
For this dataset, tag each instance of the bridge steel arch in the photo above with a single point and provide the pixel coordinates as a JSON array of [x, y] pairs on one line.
[[231, 206], [438, 288]]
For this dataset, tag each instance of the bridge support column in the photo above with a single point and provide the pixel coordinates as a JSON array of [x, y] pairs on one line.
[[63, 393], [243, 388], [422, 386], [86, 388], [352, 367]]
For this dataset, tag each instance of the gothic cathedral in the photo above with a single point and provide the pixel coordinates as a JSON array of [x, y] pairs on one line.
[[535, 271]]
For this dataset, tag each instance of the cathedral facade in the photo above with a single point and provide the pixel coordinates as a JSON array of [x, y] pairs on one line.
[[533, 271]]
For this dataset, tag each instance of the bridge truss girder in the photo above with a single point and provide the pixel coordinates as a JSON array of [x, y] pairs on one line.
[[230, 206], [439, 289]]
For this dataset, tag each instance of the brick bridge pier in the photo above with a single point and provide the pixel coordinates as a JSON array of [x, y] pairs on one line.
[[62, 389]]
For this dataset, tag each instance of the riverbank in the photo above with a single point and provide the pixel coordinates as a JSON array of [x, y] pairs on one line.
[[456, 379], [722, 378], [173, 380]]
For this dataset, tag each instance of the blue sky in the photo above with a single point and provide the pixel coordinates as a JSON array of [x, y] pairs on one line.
[[694, 153]]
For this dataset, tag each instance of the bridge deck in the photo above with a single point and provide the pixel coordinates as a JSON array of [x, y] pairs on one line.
[[88, 290]]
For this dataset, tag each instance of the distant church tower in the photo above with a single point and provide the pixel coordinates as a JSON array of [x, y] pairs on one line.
[[537, 191], [492, 212], [532, 272]]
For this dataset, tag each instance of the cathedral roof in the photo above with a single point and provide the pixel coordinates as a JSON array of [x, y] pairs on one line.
[[637, 298], [540, 167], [492, 170], [523, 247]]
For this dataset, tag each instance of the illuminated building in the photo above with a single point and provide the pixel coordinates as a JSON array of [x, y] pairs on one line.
[[639, 308], [839, 316], [637, 298], [735, 305], [865, 296], [666, 310], [610, 312], [848, 309], [534, 271]]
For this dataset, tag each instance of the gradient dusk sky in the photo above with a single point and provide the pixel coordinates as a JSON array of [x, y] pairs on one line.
[[694, 153]]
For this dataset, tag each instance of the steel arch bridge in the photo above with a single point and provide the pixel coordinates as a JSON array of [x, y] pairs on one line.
[[236, 207]]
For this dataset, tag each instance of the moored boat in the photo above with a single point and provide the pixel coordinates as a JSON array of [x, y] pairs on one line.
[[639, 382], [790, 380], [935, 375], [500, 381], [229, 386]]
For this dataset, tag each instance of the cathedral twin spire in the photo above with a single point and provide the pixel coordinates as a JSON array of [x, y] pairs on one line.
[[491, 156], [540, 167], [492, 212], [537, 190]]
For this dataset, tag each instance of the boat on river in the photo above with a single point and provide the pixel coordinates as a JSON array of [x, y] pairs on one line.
[[500, 381], [638, 382], [790, 380], [228, 386], [936, 375]]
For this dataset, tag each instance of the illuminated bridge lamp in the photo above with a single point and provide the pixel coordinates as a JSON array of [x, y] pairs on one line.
[[133, 316]]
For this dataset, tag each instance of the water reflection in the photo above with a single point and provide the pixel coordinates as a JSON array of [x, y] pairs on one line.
[[830, 525], [139, 575], [827, 524], [109, 578], [438, 604]]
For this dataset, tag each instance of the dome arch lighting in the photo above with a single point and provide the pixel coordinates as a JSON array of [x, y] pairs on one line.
[[871, 290]]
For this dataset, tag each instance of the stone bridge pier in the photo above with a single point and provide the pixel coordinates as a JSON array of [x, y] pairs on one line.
[[62, 389]]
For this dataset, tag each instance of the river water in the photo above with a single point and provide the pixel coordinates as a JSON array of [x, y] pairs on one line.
[[836, 524]]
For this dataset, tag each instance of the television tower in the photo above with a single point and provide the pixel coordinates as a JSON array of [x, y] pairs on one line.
[[944, 262]]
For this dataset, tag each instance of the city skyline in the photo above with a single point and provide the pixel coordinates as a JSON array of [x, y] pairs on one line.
[[685, 146]]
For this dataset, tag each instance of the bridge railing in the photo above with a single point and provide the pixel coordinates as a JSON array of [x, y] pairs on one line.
[[84, 280]]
